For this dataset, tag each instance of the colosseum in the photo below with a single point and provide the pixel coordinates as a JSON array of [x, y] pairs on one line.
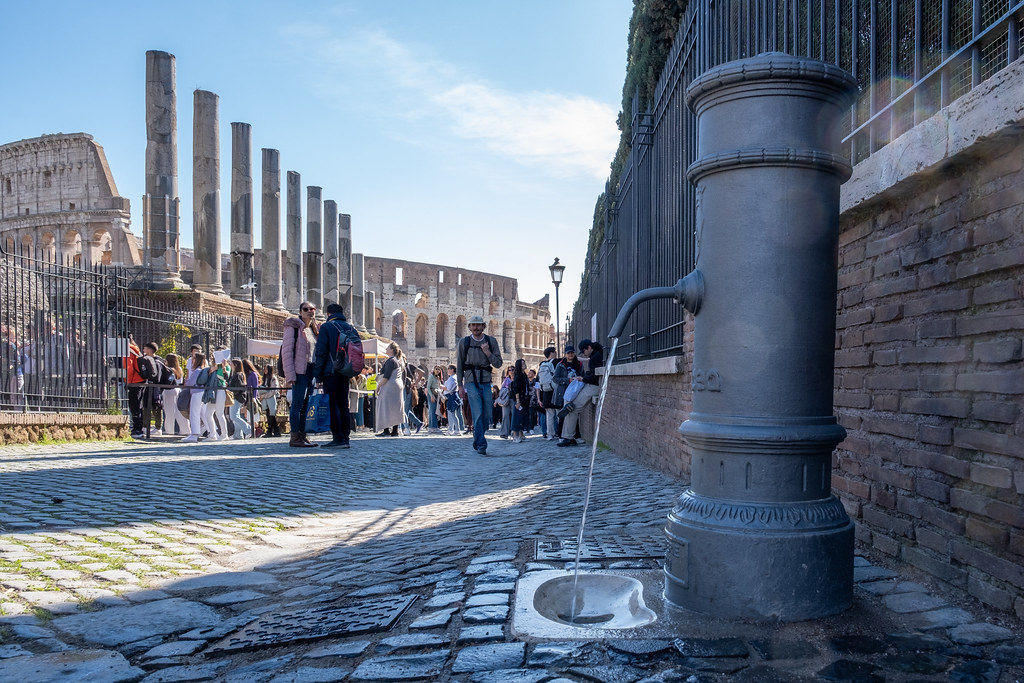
[[58, 200], [424, 307]]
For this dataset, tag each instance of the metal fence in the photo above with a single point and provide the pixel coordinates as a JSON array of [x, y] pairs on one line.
[[911, 58], [54, 320], [62, 328]]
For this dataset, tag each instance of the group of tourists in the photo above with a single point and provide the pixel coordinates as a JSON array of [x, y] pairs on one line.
[[223, 397]]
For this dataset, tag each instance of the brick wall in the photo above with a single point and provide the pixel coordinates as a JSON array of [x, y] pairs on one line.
[[929, 376], [646, 403]]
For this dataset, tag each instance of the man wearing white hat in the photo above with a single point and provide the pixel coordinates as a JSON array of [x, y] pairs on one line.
[[475, 355]]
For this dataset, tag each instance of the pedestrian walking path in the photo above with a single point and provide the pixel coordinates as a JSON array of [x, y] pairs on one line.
[[395, 560]]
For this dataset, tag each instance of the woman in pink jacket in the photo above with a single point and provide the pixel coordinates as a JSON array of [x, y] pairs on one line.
[[297, 346]]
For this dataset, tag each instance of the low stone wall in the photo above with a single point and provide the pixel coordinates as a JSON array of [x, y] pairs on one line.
[[17, 428]]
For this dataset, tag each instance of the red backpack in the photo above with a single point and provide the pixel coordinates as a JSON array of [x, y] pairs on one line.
[[348, 359]]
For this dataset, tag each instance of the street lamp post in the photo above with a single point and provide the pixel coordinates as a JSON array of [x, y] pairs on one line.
[[251, 286], [556, 279]]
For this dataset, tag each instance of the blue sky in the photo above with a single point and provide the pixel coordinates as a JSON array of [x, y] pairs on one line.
[[470, 134]]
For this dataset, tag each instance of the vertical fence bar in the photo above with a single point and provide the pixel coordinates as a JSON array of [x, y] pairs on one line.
[[1013, 40], [894, 67], [976, 47], [944, 85]]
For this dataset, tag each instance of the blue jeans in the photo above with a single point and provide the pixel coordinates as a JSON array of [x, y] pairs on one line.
[[432, 407], [301, 390], [479, 397]]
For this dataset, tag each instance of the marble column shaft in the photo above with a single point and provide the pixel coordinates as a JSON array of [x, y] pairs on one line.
[[270, 219], [314, 248], [358, 288], [369, 310], [293, 268], [206, 275], [161, 212], [331, 254], [241, 211], [345, 261]]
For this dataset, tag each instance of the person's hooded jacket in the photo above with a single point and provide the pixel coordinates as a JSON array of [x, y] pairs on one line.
[[295, 348], [596, 361]]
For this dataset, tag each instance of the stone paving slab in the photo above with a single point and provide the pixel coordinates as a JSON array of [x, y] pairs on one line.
[[159, 546]]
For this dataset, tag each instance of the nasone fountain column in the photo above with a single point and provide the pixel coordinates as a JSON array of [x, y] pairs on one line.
[[206, 276], [270, 220], [759, 533], [314, 249], [241, 211], [293, 267], [331, 253], [345, 261], [160, 206]]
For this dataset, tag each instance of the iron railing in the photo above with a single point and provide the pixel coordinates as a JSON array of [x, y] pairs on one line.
[[54, 320], [911, 58]]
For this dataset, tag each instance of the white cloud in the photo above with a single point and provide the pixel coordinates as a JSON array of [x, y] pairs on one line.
[[562, 134]]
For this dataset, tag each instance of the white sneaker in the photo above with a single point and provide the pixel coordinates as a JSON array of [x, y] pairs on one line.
[[407, 432], [191, 438]]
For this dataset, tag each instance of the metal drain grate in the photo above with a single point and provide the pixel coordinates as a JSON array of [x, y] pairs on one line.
[[311, 623], [603, 548]]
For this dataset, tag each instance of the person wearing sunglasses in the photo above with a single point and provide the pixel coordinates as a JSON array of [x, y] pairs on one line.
[[297, 346]]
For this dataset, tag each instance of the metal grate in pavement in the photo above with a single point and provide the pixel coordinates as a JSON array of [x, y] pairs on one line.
[[602, 548], [311, 623]]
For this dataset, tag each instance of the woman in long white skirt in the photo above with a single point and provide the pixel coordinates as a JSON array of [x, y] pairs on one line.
[[195, 407], [213, 413], [172, 416]]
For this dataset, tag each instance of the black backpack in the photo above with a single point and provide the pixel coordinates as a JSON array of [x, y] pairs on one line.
[[166, 374], [149, 371]]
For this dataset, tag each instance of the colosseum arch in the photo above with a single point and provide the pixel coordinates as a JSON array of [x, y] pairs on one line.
[[398, 324], [492, 307], [101, 247], [71, 249], [460, 327], [441, 339], [28, 245], [48, 246], [421, 331]]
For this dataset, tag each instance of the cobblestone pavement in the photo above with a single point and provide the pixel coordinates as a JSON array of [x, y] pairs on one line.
[[395, 560]]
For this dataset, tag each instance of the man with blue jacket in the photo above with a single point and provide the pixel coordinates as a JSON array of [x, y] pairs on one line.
[[335, 328]]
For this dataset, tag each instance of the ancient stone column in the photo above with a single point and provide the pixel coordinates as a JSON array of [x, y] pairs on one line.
[[241, 211], [358, 288], [314, 248], [293, 267], [270, 256], [368, 311], [331, 254], [206, 193], [160, 210], [345, 261]]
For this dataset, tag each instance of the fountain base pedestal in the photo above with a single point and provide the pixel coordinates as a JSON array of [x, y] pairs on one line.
[[767, 562]]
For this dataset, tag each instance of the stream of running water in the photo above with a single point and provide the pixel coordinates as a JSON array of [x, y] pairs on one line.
[[590, 475]]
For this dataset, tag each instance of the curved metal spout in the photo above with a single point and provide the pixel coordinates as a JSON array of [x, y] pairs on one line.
[[689, 292]]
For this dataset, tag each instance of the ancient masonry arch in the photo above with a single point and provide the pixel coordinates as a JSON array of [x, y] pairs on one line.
[[58, 199]]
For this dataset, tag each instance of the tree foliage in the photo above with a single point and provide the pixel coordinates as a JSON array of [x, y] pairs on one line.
[[652, 28]]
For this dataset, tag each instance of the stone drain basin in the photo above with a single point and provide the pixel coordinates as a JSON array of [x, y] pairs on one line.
[[605, 601]]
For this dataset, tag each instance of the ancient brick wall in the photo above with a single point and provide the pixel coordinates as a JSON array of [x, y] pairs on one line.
[[646, 403], [929, 376]]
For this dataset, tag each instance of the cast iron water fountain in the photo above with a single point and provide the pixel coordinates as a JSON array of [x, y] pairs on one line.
[[758, 534]]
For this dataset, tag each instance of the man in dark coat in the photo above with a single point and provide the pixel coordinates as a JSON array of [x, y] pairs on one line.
[[335, 328]]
